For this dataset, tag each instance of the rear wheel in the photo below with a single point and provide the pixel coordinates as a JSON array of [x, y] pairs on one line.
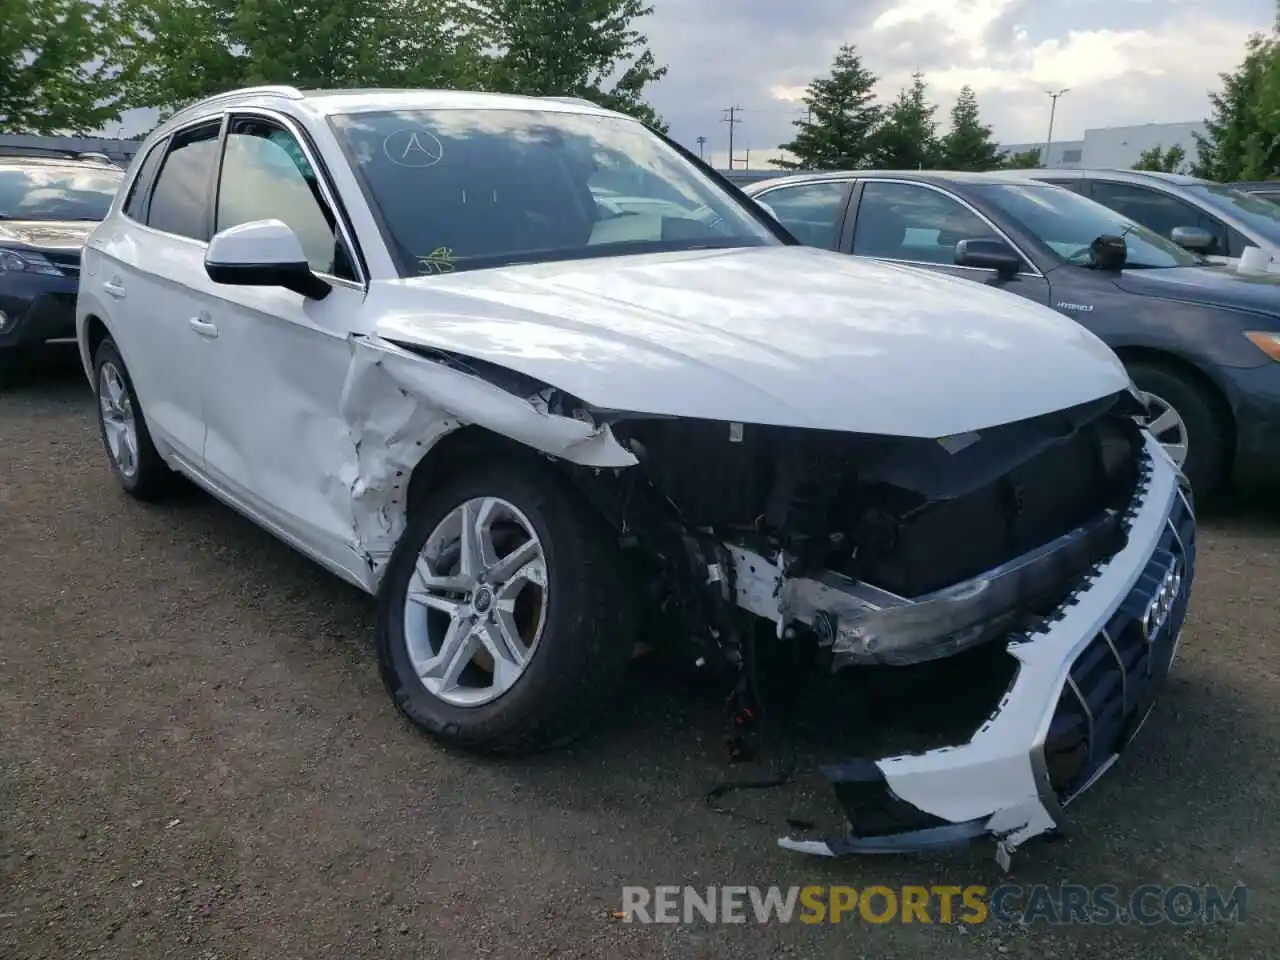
[[139, 469], [1185, 420], [503, 621]]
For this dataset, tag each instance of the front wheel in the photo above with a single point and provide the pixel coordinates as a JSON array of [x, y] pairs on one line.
[[134, 460], [1185, 421], [503, 621]]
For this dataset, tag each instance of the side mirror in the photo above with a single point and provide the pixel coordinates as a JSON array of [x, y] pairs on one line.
[[1195, 239], [262, 253], [988, 254]]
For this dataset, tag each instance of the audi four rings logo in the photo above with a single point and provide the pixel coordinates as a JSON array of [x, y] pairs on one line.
[[1162, 603]]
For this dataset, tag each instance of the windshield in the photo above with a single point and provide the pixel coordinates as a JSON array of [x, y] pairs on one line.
[[56, 193], [1260, 214], [468, 189], [1068, 223]]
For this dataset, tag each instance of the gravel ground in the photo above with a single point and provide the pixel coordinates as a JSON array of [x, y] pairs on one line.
[[198, 761]]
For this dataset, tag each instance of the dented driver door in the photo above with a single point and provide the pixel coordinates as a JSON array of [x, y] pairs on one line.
[[275, 442]]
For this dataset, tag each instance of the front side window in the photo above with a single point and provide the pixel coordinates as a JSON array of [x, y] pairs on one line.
[[265, 175], [180, 200], [907, 221], [1156, 211], [1257, 211], [470, 189], [1068, 224], [56, 192], [811, 211]]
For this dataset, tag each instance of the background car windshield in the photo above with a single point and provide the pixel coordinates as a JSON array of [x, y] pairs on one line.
[[466, 189], [1260, 214], [1068, 223], [55, 193]]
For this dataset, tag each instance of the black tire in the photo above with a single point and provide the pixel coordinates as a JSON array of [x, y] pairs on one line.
[[12, 360], [1208, 440], [152, 479], [588, 634]]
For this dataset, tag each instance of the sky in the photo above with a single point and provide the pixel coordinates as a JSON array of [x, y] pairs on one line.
[[1124, 61]]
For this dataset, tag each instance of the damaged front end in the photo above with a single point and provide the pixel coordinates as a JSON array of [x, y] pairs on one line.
[[1065, 541], [1068, 539]]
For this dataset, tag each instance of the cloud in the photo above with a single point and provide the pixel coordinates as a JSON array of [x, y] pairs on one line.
[[1124, 61]]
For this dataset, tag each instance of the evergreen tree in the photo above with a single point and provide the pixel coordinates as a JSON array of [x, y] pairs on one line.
[[1241, 136], [968, 145], [839, 133], [908, 138]]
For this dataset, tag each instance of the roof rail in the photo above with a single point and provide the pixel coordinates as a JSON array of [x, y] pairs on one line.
[[579, 100], [278, 90]]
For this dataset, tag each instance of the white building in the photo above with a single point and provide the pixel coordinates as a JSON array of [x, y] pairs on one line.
[[1116, 147]]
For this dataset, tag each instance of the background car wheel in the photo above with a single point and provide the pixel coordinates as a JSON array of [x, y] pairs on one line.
[[504, 625], [132, 455], [1187, 422]]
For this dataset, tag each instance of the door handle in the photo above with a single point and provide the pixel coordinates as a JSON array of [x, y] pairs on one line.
[[203, 327], [115, 288]]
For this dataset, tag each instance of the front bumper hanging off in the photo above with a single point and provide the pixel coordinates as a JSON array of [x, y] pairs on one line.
[[1085, 682]]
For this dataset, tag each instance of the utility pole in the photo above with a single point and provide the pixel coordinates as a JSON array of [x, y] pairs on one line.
[[702, 142], [732, 119], [1053, 109]]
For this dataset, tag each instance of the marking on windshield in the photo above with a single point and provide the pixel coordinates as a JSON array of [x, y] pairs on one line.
[[439, 260], [413, 148]]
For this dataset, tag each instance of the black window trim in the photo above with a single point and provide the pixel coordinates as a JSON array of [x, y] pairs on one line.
[[204, 120], [323, 177], [1034, 274], [144, 181]]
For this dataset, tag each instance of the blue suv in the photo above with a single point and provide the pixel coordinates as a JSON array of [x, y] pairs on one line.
[[48, 205]]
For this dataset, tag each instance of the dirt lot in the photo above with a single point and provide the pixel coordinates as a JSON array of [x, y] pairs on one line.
[[198, 761]]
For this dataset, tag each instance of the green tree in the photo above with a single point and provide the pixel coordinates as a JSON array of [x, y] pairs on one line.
[[1162, 161], [1242, 138], [572, 48], [199, 47], [61, 65], [1023, 160], [968, 145], [840, 129], [908, 137]]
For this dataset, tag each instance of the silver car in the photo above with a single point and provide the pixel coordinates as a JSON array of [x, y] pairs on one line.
[[1214, 219]]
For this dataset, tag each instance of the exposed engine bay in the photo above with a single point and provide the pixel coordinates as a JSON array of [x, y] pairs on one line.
[[890, 550]]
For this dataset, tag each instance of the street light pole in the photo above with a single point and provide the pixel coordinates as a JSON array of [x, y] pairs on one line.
[[1053, 109]]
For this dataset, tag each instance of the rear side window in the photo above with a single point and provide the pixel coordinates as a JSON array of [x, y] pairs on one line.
[[135, 206], [180, 201], [811, 211]]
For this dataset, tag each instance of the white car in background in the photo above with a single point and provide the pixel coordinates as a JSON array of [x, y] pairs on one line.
[[397, 330]]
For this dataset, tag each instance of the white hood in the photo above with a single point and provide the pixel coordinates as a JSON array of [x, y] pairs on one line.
[[790, 336]]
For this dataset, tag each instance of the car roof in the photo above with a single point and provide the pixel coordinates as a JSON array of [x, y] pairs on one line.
[[326, 103], [1068, 173], [57, 163], [937, 177]]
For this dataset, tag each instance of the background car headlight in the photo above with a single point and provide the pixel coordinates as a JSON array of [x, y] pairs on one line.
[[27, 261], [1268, 343]]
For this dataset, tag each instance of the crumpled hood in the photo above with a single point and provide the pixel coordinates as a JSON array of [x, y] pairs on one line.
[[1219, 286], [47, 234], [790, 336]]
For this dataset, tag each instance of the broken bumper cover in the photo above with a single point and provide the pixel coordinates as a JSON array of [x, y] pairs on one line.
[[1084, 685]]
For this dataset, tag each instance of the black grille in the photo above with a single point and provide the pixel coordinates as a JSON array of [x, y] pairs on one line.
[[1117, 677]]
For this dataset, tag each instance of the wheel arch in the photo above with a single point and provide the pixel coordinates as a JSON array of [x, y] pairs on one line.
[[1195, 374]]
